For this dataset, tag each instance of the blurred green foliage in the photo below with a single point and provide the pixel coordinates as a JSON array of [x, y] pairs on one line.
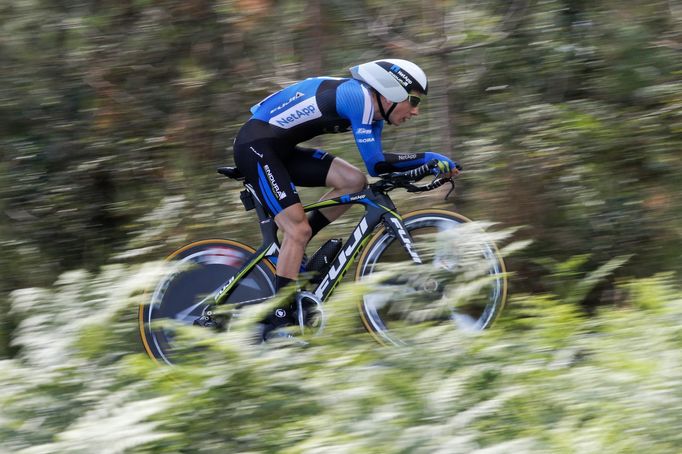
[[545, 378], [567, 116]]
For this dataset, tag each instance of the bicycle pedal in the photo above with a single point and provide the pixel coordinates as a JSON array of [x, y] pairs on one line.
[[208, 321]]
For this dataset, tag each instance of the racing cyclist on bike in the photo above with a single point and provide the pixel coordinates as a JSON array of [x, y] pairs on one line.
[[268, 154]]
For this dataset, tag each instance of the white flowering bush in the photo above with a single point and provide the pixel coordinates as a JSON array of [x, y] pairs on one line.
[[545, 378]]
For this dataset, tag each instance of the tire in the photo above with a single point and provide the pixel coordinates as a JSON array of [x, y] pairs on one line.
[[196, 270], [461, 283]]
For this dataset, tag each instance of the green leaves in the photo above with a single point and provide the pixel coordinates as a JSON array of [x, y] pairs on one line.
[[544, 378], [573, 284]]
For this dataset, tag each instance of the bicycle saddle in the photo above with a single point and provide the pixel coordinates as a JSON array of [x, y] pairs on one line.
[[231, 172]]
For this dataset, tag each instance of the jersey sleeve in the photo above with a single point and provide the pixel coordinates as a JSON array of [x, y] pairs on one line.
[[354, 103]]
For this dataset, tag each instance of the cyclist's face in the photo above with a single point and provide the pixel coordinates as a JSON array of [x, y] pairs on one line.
[[404, 111]]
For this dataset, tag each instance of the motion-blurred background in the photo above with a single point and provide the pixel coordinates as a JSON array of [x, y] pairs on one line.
[[566, 115]]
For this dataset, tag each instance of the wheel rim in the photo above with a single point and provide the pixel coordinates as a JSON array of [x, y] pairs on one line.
[[389, 317]]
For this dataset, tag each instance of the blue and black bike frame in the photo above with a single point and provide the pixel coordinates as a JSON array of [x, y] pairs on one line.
[[379, 209]]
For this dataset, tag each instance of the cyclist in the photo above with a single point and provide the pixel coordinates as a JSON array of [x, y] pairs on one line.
[[268, 154]]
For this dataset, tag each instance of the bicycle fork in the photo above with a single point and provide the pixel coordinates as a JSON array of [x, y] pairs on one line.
[[395, 225]]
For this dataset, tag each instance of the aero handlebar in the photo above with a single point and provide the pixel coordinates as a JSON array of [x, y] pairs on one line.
[[406, 178]]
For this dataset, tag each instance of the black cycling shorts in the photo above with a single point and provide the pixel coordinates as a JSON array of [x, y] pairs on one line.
[[275, 169]]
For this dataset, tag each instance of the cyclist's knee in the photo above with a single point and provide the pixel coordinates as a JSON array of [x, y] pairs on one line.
[[345, 176], [356, 181], [300, 232]]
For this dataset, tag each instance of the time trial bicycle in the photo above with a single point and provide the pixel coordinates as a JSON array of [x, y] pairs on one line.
[[210, 275]]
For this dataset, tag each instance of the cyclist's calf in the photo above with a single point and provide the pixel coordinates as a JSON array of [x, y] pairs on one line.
[[296, 233], [294, 224]]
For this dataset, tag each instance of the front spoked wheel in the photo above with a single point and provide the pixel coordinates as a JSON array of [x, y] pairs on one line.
[[183, 294], [461, 283]]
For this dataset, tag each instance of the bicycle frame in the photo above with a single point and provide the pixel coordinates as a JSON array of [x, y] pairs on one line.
[[379, 208]]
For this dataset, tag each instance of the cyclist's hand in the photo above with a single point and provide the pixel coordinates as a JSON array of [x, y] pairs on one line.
[[446, 166]]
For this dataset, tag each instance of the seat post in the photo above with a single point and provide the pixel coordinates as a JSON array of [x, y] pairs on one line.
[[267, 224], [268, 227]]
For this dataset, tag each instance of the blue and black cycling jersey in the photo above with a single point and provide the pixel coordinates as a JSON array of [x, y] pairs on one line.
[[325, 105]]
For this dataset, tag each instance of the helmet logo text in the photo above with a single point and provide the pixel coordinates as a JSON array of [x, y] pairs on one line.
[[401, 76]]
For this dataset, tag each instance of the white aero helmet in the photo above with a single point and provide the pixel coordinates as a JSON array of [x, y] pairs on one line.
[[392, 78]]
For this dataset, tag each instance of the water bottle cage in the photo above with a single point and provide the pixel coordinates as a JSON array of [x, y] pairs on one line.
[[321, 261]]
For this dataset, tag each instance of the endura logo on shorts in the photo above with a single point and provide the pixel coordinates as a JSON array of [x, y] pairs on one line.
[[305, 110], [273, 183]]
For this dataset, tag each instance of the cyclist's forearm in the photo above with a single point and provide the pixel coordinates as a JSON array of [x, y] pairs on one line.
[[395, 162]]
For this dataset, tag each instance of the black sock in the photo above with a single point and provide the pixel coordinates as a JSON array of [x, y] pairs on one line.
[[317, 221], [281, 281]]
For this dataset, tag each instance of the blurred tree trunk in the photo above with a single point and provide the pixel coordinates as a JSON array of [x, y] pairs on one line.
[[440, 79], [442, 102], [315, 38]]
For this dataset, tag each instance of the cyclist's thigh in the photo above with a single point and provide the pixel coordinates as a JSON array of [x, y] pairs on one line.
[[309, 167], [263, 169]]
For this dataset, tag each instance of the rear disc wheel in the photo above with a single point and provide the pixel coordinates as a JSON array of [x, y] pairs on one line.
[[196, 271]]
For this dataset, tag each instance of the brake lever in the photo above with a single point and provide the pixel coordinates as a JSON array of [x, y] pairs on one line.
[[452, 188]]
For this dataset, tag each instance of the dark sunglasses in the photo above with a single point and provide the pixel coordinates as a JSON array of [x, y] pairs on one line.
[[414, 100]]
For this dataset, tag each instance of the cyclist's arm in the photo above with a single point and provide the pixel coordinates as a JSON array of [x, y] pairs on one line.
[[356, 105], [398, 162]]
